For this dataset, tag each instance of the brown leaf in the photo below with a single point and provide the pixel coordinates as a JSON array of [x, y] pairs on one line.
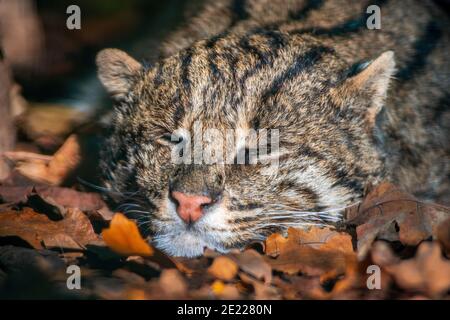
[[390, 214], [223, 268], [74, 231], [382, 255], [254, 264], [57, 196], [172, 283], [318, 238], [428, 272], [313, 252], [49, 170], [262, 291], [443, 235], [297, 287], [316, 252]]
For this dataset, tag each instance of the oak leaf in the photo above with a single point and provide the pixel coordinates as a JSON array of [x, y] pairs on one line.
[[73, 232], [57, 197], [313, 252], [389, 213]]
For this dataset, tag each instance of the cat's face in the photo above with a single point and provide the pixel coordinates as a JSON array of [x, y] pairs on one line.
[[224, 102]]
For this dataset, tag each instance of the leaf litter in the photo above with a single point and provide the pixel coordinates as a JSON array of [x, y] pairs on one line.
[[46, 225]]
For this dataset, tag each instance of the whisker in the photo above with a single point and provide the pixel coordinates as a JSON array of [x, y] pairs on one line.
[[106, 190], [127, 206], [139, 211], [281, 206], [94, 186], [142, 217], [286, 225], [143, 223], [295, 214], [293, 218]]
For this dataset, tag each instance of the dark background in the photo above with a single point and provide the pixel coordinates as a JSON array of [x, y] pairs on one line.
[[67, 59], [69, 55]]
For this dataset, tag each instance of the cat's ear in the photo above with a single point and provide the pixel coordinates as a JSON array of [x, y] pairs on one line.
[[117, 71], [367, 89]]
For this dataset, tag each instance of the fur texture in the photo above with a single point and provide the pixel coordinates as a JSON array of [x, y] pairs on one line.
[[352, 107]]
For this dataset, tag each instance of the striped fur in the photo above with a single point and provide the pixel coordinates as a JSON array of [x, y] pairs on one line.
[[308, 68]]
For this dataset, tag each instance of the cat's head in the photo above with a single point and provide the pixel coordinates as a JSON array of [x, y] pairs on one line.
[[314, 113]]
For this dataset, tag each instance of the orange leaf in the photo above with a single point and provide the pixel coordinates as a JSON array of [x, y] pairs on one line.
[[217, 287], [223, 268], [123, 237], [314, 252]]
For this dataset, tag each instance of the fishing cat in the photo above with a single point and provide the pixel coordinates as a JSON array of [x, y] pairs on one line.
[[352, 106]]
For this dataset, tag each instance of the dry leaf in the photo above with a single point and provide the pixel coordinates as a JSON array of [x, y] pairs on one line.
[[254, 264], [297, 287], [315, 237], [58, 197], [123, 237], [382, 254], [428, 272], [262, 291], [73, 232], [313, 252], [223, 268], [49, 170], [172, 283], [318, 263], [390, 214], [443, 235]]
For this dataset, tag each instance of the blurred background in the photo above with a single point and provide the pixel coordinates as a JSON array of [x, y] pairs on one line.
[[47, 58], [48, 83]]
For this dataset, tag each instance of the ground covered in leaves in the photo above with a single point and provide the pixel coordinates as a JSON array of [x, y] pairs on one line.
[[45, 228]]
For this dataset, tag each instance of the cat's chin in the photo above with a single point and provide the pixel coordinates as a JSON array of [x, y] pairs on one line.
[[184, 244]]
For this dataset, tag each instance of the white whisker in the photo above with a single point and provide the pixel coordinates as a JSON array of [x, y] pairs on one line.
[[138, 211]]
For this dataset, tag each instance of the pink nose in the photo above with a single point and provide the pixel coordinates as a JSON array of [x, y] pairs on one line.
[[190, 206]]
